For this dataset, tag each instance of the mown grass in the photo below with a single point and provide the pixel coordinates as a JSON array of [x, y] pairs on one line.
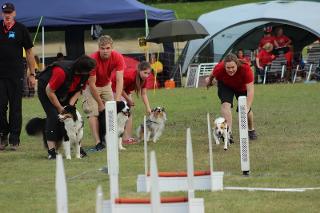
[[285, 155]]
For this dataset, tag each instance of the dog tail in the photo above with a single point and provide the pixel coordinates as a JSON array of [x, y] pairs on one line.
[[35, 126]]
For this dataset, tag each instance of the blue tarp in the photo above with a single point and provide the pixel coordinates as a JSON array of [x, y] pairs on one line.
[[62, 13]]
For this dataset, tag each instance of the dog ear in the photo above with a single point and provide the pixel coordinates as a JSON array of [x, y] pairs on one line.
[[120, 106], [163, 109]]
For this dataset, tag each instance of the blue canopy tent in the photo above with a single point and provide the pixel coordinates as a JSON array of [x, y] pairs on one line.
[[74, 17]]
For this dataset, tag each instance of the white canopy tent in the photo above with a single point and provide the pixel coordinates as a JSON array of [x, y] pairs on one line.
[[234, 24]]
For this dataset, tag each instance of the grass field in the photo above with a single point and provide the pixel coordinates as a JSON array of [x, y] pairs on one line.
[[285, 155]]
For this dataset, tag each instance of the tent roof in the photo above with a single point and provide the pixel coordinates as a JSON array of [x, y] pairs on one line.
[[61, 13], [283, 12]]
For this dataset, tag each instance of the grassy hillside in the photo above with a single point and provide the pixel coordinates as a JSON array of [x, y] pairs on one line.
[[285, 155]]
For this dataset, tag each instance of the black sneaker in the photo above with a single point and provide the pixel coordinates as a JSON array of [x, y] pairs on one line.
[[252, 134], [100, 146], [82, 153], [3, 141], [52, 154]]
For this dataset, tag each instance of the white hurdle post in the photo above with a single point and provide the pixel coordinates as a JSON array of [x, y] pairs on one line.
[[61, 187], [145, 145], [243, 132], [112, 149], [155, 193], [210, 143], [190, 166], [99, 201]]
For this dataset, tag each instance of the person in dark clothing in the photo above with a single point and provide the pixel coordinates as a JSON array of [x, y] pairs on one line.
[[14, 36], [60, 84]]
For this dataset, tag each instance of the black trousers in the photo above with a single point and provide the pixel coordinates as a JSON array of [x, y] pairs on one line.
[[11, 98]]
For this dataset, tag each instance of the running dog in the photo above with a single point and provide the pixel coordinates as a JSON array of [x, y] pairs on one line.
[[221, 132], [123, 113], [71, 130], [155, 125]]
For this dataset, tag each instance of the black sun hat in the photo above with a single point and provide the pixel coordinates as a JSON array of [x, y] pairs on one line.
[[8, 7]]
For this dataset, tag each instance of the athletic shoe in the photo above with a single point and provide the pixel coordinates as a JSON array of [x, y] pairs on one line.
[[100, 146], [52, 154], [82, 153], [252, 134], [13, 147], [3, 142], [129, 141]]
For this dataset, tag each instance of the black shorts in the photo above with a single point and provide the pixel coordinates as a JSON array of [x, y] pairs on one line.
[[226, 93]]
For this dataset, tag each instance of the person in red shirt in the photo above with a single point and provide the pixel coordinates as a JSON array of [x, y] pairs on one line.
[[60, 84], [134, 80], [281, 39], [233, 78], [242, 57], [267, 38], [99, 90], [263, 59]]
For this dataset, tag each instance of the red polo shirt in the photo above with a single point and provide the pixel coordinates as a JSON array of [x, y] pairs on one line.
[[129, 80], [238, 81], [57, 78], [104, 68], [265, 58]]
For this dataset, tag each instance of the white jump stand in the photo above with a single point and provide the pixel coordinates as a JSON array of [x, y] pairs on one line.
[[177, 181], [130, 205]]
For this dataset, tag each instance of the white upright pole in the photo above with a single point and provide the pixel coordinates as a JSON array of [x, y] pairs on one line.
[[210, 143], [295, 74], [190, 168], [145, 143], [112, 148], [99, 201], [155, 193], [61, 187], [43, 59], [309, 73], [243, 132]]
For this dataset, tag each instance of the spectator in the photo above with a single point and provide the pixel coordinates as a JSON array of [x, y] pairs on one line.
[[134, 80], [60, 84], [281, 39], [99, 90], [267, 38], [263, 59], [14, 37], [242, 57], [234, 78], [60, 56], [156, 65]]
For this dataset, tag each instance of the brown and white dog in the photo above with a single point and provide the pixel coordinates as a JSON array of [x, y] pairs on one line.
[[221, 132], [155, 125]]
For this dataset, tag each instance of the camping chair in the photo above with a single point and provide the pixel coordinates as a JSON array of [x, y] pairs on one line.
[[277, 68], [313, 60]]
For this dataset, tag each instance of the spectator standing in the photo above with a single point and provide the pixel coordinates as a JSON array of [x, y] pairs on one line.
[[234, 79], [59, 85], [267, 38], [99, 90], [14, 37], [134, 80]]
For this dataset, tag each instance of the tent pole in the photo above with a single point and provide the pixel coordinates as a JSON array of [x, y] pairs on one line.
[[43, 59]]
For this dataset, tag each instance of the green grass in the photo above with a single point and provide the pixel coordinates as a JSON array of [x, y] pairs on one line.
[[192, 10], [285, 155]]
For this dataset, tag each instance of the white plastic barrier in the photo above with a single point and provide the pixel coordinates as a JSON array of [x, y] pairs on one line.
[[243, 132], [177, 181]]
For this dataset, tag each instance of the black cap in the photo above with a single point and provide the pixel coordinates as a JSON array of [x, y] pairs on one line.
[[8, 7]]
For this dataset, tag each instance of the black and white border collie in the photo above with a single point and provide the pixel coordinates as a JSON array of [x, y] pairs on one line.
[[71, 130], [123, 114]]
